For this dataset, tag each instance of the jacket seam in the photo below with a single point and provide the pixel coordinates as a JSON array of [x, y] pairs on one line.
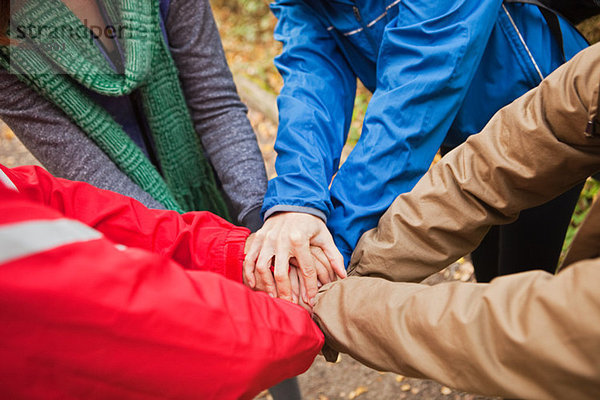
[[522, 40], [372, 22], [234, 253]]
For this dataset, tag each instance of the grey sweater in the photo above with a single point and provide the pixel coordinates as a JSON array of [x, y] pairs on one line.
[[217, 112]]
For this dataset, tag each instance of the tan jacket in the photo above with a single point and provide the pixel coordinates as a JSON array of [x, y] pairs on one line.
[[529, 335]]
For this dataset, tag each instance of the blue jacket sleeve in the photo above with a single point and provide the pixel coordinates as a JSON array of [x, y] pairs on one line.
[[427, 60], [315, 110]]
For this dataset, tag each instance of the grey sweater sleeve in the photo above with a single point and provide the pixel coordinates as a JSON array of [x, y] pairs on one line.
[[218, 114], [63, 149]]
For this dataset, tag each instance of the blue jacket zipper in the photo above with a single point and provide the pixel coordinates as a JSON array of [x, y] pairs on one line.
[[360, 20]]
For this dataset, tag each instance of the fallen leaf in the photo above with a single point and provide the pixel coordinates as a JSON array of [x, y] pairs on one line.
[[445, 390], [357, 392], [399, 378], [405, 387], [8, 134]]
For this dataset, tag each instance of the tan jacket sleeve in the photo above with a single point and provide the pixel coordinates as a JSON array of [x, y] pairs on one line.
[[531, 335], [530, 152]]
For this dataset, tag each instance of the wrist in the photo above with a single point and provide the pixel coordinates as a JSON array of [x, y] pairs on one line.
[[297, 209]]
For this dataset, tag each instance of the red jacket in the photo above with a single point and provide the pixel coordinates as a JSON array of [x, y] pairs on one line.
[[101, 297]]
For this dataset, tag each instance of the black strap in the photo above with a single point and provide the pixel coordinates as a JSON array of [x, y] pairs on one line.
[[574, 11], [554, 25], [534, 2], [551, 17]]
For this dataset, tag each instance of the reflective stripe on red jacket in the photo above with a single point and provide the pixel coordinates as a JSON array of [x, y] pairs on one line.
[[101, 297]]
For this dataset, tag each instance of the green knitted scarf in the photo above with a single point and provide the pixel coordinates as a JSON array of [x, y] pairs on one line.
[[57, 55]]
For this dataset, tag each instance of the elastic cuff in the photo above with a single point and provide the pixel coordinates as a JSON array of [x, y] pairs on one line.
[[287, 208], [234, 253], [252, 220], [331, 355]]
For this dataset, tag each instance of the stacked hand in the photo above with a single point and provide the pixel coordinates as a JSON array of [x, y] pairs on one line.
[[302, 252]]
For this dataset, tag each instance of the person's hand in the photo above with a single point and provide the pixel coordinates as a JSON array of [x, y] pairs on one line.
[[321, 264], [297, 288], [325, 273], [288, 236]]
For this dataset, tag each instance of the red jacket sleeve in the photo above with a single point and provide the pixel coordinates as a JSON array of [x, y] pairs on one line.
[[82, 317], [196, 240]]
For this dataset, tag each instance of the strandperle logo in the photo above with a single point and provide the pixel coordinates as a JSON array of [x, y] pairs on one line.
[[85, 31]]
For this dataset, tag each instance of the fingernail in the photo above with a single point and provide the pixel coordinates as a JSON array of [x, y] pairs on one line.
[[313, 301], [272, 295]]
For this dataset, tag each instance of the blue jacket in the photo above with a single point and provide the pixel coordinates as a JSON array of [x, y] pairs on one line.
[[438, 72]]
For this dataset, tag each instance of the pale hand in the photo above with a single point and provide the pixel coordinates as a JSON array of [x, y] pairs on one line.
[[286, 239]]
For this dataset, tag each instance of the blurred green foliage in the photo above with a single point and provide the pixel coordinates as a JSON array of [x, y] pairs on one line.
[[246, 28], [250, 7], [253, 18], [358, 115], [591, 29], [587, 197]]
